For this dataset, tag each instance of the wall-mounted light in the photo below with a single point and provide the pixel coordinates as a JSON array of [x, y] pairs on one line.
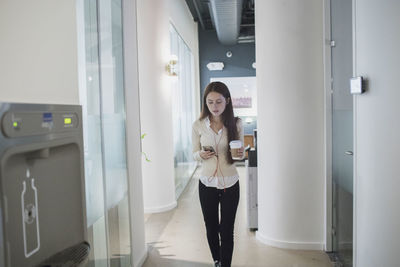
[[215, 66], [172, 66]]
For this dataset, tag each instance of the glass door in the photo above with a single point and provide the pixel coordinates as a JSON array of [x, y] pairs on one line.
[[103, 107], [183, 111], [342, 130]]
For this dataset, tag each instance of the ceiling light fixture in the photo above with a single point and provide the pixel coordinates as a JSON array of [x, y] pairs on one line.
[[215, 66]]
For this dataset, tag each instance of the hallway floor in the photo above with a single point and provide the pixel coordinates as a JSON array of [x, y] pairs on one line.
[[177, 238]]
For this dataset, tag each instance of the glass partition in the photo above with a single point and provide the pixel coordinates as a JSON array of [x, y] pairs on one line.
[[103, 106], [342, 132], [113, 130], [93, 152], [183, 104]]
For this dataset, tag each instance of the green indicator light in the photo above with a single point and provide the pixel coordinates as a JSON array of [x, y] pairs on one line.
[[15, 124], [67, 120]]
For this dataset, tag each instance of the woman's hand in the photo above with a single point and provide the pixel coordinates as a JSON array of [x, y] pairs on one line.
[[206, 154], [241, 152]]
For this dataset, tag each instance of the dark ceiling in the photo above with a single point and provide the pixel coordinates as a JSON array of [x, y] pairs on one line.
[[201, 14]]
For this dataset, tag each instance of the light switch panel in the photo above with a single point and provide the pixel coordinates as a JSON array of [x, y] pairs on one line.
[[356, 85]]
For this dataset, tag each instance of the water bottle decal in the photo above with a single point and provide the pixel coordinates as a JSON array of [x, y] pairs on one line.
[[30, 216]]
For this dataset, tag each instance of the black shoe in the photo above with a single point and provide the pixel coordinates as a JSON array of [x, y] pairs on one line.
[[217, 263]]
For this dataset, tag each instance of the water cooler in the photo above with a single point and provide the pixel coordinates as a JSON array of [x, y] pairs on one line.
[[42, 194]]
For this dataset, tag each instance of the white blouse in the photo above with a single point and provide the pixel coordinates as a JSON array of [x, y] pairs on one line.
[[217, 171]]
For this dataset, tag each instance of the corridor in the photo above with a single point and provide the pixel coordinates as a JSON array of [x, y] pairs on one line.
[[177, 238]]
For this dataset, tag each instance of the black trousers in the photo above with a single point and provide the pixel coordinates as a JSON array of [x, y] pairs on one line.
[[220, 231]]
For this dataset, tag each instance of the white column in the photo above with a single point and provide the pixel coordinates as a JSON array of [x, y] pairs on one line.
[[289, 55], [155, 106], [377, 133]]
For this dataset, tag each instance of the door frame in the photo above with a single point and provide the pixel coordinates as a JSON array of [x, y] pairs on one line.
[[327, 124], [354, 12]]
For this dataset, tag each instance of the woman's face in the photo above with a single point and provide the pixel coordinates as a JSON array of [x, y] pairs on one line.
[[216, 103]]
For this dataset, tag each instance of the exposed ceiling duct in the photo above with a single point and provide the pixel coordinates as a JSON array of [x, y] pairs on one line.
[[226, 16]]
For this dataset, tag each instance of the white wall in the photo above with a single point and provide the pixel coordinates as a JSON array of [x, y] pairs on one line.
[[377, 131], [155, 95], [289, 56], [38, 52]]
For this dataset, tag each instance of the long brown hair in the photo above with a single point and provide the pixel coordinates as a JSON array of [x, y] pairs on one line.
[[228, 119]]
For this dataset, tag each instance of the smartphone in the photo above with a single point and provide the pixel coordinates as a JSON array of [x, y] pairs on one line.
[[208, 148]]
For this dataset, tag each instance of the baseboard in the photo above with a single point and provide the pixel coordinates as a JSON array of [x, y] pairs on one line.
[[289, 245], [161, 208], [142, 259]]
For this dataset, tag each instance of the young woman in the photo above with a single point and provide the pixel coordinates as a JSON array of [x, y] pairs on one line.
[[219, 182]]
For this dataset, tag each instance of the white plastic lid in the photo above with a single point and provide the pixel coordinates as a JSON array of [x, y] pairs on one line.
[[235, 144]]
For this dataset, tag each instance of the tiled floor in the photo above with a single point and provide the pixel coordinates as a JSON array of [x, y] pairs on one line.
[[177, 238]]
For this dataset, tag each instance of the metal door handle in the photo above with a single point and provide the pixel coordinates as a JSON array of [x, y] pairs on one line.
[[349, 153]]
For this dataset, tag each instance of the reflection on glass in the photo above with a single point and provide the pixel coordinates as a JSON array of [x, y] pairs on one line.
[[103, 104], [183, 112], [113, 127], [90, 100]]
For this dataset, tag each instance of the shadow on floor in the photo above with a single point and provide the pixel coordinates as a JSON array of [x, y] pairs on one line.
[[157, 222]]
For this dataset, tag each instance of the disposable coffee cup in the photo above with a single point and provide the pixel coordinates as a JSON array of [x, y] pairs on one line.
[[235, 145]]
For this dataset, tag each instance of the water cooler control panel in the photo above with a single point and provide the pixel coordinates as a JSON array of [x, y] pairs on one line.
[[28, 123]]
